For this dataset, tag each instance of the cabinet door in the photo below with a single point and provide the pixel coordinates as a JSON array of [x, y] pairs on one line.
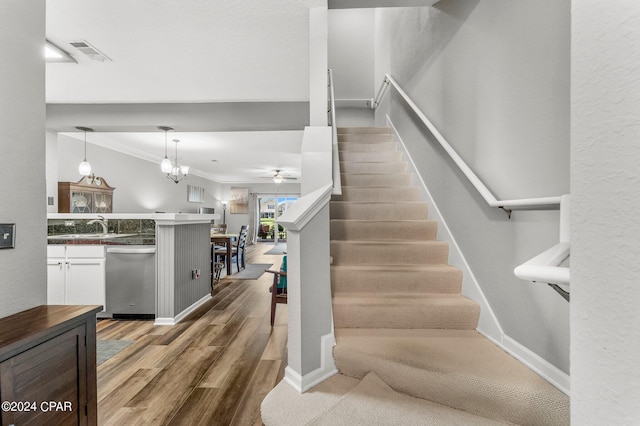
[[85, 282], [82, 202], [52, 371], [56, 272]]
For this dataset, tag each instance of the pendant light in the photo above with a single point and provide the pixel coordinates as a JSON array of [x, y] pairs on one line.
[[177, 172], [84, 168], [165, 164]]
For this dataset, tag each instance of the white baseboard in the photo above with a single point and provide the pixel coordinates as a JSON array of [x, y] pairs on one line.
[[535, 362], [182, 315], [327, 368]]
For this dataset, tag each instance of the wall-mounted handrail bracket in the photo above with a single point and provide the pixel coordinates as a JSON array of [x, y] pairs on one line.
[[565, 294], [507, 211]]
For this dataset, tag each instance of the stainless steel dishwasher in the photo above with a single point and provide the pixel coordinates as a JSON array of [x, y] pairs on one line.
[[131, 282]]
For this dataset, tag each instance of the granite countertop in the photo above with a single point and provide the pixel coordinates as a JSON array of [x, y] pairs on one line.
[[111, 240]]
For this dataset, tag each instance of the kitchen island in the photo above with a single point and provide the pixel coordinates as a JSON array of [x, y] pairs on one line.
[[182, 254]]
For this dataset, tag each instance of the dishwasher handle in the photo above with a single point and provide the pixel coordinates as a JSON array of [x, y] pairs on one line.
[[127, 250]]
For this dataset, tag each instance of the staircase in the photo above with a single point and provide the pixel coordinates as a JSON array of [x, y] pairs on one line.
[[405, 335]]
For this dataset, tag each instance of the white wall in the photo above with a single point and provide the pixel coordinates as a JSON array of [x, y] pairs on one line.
[[23, 277], [493, 76], [605, 185], [352, 59], [351, 52], [140, 186]]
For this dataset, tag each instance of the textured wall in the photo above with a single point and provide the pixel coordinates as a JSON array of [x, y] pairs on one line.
[[192, 251], [22, 139], [605, 185], [493, 76]]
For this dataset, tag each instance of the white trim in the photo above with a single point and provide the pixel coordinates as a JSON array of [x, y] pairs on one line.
[[306, 208], [535, 362], [327, 367], [488, 323], [183, 314]]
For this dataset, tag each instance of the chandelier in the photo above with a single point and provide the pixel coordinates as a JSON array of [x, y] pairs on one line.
[[173, 169]]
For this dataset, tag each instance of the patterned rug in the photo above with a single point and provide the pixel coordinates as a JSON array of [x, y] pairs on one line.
[[106, 349]]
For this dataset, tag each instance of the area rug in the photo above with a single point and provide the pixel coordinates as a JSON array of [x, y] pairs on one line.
[[106, 349], [252, 271], [278, 249]]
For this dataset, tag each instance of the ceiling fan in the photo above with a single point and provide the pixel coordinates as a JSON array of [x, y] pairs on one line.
[[278, 177]]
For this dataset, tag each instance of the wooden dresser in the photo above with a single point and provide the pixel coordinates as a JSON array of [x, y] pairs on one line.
[[48, 366]]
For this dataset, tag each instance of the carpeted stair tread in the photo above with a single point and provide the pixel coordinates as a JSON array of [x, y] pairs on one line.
[[346, 401], [363, 130], [363, 193], [369, 139], [378, 230], [371, 157], [408, 210], [458, 368], [376, 179], [284, 406], [401, 278], [409, 311], [374, 403], [389, 253], [356, 167], [367, 146]]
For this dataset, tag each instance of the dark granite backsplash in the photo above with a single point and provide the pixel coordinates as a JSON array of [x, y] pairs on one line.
[[116, 226]]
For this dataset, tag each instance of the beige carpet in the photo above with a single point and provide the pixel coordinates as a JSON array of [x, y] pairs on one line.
[[399, 313], [373, 403]]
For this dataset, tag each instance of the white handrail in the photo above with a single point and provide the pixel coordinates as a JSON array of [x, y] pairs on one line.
[[545, 267], [522, 204], [337, 181]]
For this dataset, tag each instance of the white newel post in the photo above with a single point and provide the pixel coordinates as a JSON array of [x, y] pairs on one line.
[[311, 337]]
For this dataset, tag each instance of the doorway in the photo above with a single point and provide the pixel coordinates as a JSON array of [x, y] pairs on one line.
[[271, 207]]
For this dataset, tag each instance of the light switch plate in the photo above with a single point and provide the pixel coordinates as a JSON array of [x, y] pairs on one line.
[[7, 235]]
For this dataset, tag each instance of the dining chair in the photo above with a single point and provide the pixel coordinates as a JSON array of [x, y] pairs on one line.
[[278, 288], [237, 249]]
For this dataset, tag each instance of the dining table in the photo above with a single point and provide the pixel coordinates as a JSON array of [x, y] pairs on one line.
[[226, 240]]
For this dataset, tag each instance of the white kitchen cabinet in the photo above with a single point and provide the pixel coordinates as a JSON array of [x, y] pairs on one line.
[[76, 275]]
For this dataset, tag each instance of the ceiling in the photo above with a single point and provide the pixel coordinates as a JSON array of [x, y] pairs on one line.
[[231, 77]]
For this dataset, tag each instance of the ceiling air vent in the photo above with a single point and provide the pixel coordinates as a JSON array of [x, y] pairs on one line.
[[93, 53]]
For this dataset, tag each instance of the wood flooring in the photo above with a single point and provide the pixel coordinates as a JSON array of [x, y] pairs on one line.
[[212, 368]]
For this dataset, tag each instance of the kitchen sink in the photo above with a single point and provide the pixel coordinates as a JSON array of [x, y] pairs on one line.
[[88, 236]]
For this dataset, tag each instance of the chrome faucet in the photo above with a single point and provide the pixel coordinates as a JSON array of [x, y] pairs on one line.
[[102, 221]]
